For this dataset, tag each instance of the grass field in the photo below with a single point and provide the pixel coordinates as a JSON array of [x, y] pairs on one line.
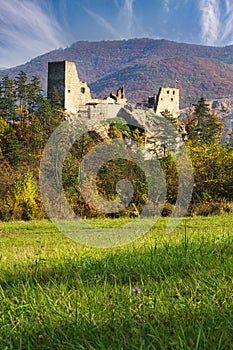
[[164, 291]]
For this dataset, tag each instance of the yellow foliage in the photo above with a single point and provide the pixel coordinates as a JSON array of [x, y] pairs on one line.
[[23, 200]]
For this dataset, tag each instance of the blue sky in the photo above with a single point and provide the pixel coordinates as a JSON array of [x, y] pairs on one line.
[[29, 28]]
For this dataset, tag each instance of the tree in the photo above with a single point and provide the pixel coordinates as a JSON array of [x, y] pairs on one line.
[[3, 128], [34, 91], [11, 147], [23, 201], [213, 171], [48, 117], [21, 92], [55, 99], [8, 100], [203, 125]]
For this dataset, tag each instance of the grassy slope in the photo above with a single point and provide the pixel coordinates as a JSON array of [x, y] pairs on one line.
[[81, 298]]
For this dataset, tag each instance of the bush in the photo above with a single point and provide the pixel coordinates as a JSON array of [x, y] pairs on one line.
[[23, 202], [212, 208]]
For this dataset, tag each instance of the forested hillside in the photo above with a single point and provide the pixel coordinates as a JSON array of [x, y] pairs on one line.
[[142, 66]]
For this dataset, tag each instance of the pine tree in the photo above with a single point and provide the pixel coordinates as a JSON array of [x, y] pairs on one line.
[[203, 125], [3, 129], [11, 147], [21, 94], [33, 92], [8, 100], [55, 99], [1, 99], [45, 117]]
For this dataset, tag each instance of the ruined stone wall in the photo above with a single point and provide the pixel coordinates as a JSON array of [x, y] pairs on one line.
[[77, 93], [168, 98], [56, 79], [73, 92], [100, 112], [85, 93]]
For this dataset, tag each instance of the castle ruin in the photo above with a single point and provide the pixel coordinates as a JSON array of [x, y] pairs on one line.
[[80, 106], [63, 77], [76, 96], [167, 99]]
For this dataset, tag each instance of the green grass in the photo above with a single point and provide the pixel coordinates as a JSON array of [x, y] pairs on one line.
[[81, 298]]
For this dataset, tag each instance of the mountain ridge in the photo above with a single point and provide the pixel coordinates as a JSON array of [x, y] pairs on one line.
[[142, 66]]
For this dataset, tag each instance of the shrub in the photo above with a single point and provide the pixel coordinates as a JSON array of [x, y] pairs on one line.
[[23, 201], [212, 208]]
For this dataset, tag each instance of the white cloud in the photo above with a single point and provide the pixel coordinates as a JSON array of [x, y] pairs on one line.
[[128, 13], [210, 21], [228, 4], [28, 29], [227, 31], [124, 24], [217, 22], [104, 23], [166, 5]]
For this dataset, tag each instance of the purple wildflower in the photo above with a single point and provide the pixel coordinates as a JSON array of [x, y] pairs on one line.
[[40, 336], [136, 290]]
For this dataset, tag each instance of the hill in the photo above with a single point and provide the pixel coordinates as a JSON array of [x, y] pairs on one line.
[[142, 66]]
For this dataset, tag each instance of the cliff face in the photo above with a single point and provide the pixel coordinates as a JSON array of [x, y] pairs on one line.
[[142, 66], [160, 135]]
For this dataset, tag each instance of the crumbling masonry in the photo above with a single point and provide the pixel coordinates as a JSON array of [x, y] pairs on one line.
[[76, 96], [80, 106]]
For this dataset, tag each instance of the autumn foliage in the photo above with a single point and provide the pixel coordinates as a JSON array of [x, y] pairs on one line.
[[27, 119]]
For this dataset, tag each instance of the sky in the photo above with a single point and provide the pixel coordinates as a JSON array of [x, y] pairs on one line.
[[29, 28]]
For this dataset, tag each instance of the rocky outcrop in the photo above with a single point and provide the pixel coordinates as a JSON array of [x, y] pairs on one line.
[[160, 134]]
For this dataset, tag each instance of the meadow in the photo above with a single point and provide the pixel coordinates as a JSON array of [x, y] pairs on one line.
[[163, 291]]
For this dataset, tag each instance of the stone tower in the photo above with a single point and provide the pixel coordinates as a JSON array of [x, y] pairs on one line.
[[167, 99], [74, 93]]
